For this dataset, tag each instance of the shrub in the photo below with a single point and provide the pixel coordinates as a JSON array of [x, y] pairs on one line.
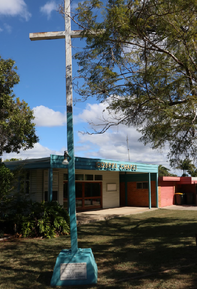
[[6, 178], [33, 219]]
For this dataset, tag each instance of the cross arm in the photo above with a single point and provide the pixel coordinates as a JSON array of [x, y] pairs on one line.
[[54, 35], [60, 34]]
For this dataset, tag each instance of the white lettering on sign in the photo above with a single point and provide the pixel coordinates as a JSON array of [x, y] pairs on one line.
[[73, 271], [104, 165]]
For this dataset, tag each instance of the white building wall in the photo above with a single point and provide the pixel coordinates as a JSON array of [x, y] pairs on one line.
[[110, 186], [36, 185], [111, 195]]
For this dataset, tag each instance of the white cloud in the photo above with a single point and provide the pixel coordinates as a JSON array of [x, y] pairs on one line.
[[97, 115], [94, 113], [38, 151], [48, 8], [14, 8], [45, 116], [113, 144], [110, 145]]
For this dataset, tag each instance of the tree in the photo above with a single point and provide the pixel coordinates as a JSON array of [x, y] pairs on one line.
[[6, 178], [12, 160], [163, 172], [185, 165], [143, 56], [193, 172], [17, 131]]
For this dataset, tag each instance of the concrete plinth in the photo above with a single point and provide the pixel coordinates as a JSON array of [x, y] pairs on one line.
[[75, 269]]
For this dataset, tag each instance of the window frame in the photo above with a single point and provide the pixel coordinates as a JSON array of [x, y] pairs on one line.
[[144, 185]]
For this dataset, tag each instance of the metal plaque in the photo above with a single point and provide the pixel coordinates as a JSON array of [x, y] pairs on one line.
[[73, 271]]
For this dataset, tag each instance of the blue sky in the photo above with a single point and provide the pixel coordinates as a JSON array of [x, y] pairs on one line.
[[41, 67]]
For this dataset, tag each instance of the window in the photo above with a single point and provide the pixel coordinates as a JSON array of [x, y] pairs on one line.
[[78, 190], [139, 185], [92, 190], [66, 190], [89, 177], [98, 177], [88, 194], [88, 190], [54, 196], [79, 177], [79, 203], [142, 185], [65, 177], [92, 202]]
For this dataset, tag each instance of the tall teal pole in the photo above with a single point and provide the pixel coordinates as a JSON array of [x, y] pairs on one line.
[[75, 266], [70, 136], [156, 185]]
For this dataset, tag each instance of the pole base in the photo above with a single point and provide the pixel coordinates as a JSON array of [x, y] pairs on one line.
[[75, 268]]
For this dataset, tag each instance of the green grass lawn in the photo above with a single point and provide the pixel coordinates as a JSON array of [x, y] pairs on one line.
[[150, 250]]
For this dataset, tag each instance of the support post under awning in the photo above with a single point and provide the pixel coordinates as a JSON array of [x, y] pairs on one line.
[[149, 190]]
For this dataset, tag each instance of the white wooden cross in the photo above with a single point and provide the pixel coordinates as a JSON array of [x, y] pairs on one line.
[[67, 34], [76, 258]]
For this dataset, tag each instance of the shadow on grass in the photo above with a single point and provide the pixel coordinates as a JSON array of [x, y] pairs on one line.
[[26, 263], [155, 248], [139, 245]]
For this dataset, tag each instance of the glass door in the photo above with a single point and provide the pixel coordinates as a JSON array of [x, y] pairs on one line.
[[88, 195]]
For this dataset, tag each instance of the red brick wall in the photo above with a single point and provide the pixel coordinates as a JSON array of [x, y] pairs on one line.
[[137, 197]]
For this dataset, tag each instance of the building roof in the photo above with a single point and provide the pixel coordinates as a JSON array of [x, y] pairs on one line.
[[55, 161]]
